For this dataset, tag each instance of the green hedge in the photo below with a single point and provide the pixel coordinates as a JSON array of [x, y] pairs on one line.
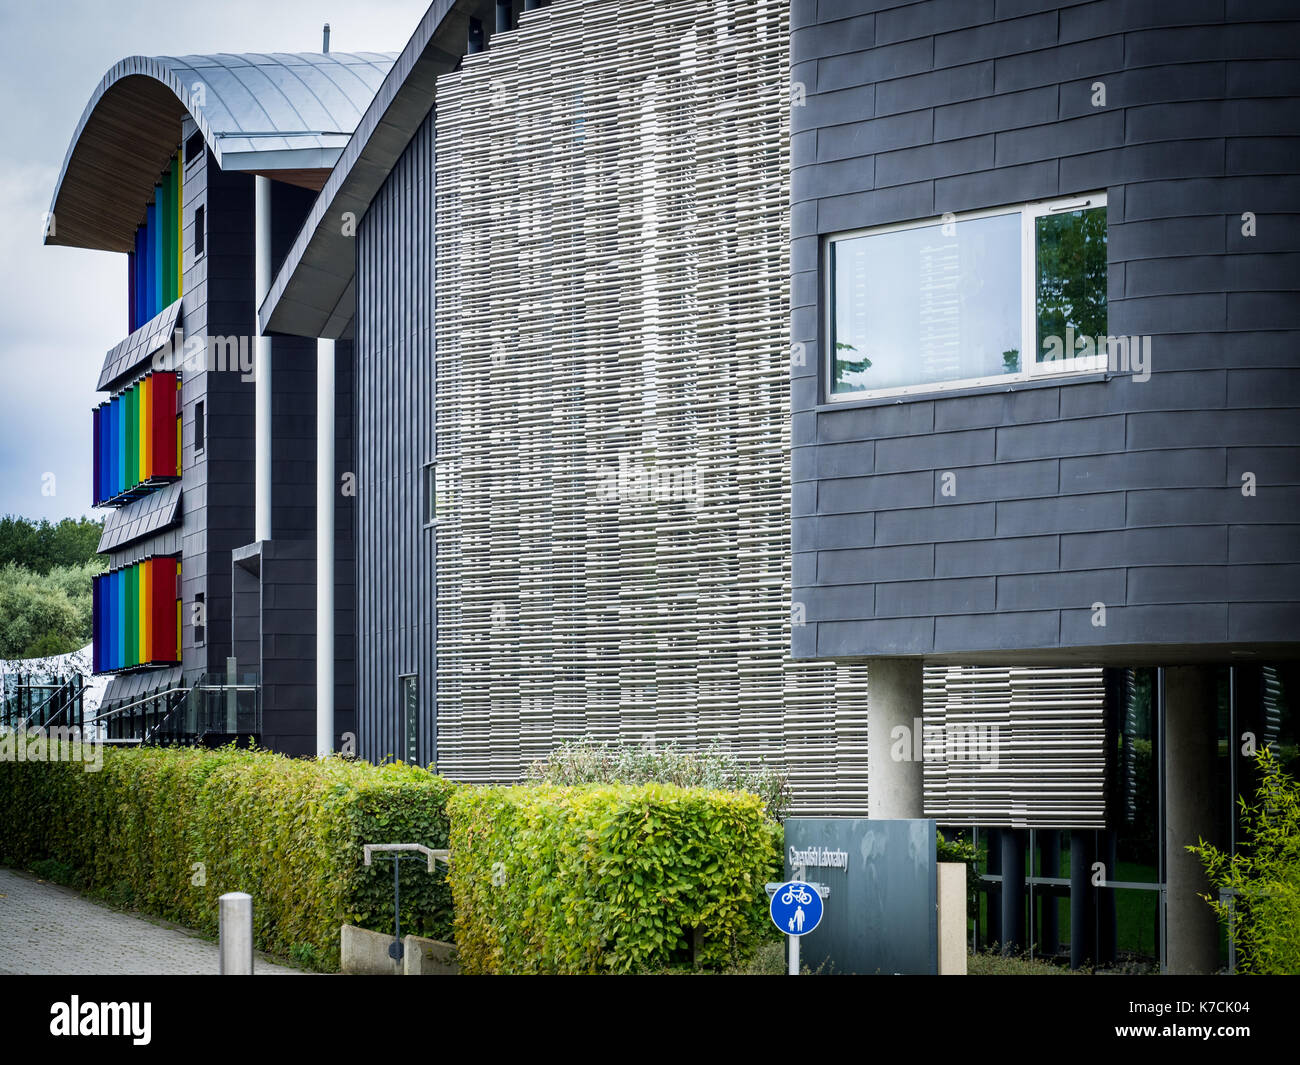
[[608, 878], [287, 831]]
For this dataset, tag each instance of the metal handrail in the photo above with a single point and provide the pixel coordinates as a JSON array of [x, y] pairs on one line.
[[22, 725], [177, 705], [128, 706]]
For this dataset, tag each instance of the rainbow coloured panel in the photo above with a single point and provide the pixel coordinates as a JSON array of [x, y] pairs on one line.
[[137, 616], [136, 439], [154, 272]]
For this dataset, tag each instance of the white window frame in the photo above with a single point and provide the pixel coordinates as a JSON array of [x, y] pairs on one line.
[[1030, 367]]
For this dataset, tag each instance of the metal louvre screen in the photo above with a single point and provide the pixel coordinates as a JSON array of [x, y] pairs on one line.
[[1015, 747], [612, 486]]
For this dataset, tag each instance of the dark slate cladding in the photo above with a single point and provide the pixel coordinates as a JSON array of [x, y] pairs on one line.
[[1097, 490], [216, 488], [395, 360]]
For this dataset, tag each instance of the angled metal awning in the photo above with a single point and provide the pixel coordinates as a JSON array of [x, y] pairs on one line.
[[144, 517], [139, 346], [313, 294], [123, 688]]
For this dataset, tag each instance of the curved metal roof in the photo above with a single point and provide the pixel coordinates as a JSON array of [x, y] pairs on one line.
[[290, 114]]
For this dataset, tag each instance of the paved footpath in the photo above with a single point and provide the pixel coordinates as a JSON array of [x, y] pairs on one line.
[[48, 929]]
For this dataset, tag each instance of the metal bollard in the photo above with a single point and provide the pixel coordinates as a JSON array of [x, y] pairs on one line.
[[235, 916]]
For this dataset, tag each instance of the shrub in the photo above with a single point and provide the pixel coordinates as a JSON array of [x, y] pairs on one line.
[[608, 878], [587, 761], [1265, 874], [170, 830]]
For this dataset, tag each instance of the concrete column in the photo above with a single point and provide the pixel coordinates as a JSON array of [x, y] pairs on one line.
[[324, 547], [1191, 742], [262, 419], [894, 777]]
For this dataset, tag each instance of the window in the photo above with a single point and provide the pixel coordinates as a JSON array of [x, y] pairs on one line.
[[193, 146], [200, 428], [200, 619], [957, 301], [409, 693], [200, 232], [430, 493], [435, 491]]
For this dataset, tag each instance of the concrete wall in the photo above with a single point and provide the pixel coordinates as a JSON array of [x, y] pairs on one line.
[[1096, 490]]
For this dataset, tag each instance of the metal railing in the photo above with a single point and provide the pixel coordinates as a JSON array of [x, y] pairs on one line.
[[210, 712], [40, 701]]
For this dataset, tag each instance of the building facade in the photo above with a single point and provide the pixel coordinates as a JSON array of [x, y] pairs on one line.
[[898, 393], [1044, 259], [183, 142]]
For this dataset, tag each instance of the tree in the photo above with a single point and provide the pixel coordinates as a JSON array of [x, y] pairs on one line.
[[38, 546]]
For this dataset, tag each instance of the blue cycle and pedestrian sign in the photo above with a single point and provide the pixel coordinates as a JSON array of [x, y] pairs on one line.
[[796, 908]]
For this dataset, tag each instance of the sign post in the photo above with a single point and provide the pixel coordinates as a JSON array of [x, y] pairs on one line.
[[796, 908]]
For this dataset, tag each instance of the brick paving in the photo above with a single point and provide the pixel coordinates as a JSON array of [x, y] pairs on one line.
[[52, 930]]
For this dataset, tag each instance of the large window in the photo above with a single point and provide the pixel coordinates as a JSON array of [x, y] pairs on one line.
[[958, 301]]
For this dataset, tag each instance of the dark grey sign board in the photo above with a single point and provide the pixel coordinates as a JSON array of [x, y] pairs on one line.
[[881, 914]]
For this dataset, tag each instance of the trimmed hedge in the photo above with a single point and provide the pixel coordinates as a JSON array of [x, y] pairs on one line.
[[287, 831], [608, 878]]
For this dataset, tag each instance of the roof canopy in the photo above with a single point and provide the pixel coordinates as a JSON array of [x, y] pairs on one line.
[[314, 295], [281, 114]]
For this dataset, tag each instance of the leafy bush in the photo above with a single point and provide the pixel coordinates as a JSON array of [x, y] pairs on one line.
[[170, 830], [587, 761], [608, 878], [1265, 875]]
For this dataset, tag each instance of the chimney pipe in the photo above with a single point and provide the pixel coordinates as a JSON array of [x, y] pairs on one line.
[[325, 46]]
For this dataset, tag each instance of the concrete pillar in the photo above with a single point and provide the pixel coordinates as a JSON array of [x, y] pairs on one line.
[[324, 547], [1013, 891], [235, 934], [894, 777], [1191, 746], [262, 406]]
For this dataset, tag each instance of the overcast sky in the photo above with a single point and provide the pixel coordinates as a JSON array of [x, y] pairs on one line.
[[61, 309]]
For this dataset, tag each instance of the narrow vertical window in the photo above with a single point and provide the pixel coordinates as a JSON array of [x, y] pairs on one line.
[[200, 619], [409, 689], [200, 231], [200, 428], [430, 492]]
